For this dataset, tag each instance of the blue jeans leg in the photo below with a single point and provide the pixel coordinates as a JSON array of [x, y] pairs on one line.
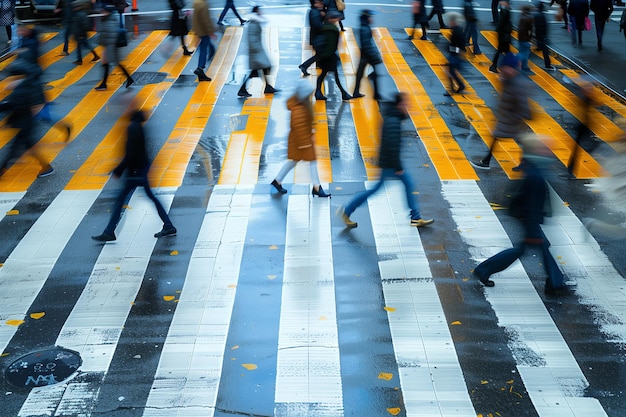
[[205, 41], [499, 262], [411, 199], [361, 198], [524, 54], [555, 276]]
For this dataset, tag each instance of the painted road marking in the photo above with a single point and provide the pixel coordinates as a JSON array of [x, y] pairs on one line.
[[555, 384], [308, 374], [365, 111], [443, 150], [24, 172], [35, 255], [190, 367], [430, 374], [96, 322]]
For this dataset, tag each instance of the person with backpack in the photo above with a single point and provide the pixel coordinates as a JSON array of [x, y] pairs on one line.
[[109, 32]]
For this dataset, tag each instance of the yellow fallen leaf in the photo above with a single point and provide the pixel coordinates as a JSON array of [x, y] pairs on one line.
[[37, 316], [510, 381], [394, 411], [127, 207], [249, 366], [234, 347], [5, 354], [389, 309], [273, 247], [168, 297], [174, 253], [272, 276], [232, 286], [455, 323], [14, 322], [484, 382], [387, 376], [322, 317], [13, 212], [338, 188]]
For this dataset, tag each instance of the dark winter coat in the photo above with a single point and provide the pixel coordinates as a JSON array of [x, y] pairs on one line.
[[331, 5], [541, 25], [257, 57], [504, 29], [601, 8], [530, 202], [391, 138], [328, 51], [513, 107], [420, 17], [369, 51], [469, 12], [437, 6], [135, 160], [316, 21], [578, 9], [178, 25], [80, 18], [525, 27]]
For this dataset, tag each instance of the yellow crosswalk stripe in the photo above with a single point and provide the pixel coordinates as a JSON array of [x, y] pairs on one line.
[[443, 150], [541, 123], [365, 111], [170, 164], [43, 38], [22, 174]]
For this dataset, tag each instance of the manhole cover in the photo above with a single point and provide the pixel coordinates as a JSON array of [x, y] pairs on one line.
[[144, 78], [43, 368]]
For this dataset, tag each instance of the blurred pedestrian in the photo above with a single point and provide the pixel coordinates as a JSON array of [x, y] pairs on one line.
[[530, 205], [136, 165], [578, 11], [525, 34], [109, 32], [329, 60], [80, 26], [494, 12], [369, 54], [301, 145], [584, 89], [179, 25], [562, 13], [20, 104], [439, 11], [418, 11], [541, 35], [471, 26], [65, 9], [230, 5], [504, 29], [390, 163], [202, 25], [7, 17], [316, 39], [602, 10], [456, 50], [334, 6], [259, 62], [513, 106]]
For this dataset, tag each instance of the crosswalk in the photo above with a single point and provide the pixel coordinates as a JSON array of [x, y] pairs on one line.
[[267, 305]]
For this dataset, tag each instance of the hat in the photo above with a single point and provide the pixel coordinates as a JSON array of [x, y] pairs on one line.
[[303, 89], [510, 60], [333, 15], [367, 12]]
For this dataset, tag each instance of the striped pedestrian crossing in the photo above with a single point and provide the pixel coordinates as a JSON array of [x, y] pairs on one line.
[[274, 308]]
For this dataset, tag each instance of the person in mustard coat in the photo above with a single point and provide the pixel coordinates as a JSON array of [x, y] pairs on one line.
[[204, 29], [300, 146]]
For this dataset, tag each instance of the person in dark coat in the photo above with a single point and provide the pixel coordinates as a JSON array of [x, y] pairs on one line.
[[301, 141], [179, 25], [471, 26], [530, 206], [80, 26], [230, 5], [504, 29], [455, 54], [316, 21], [65, 8], [108, 39], [418, 10], [390, 162], [578, 10], [329, 60], [562, 14], [513, 106], [494, 12], [369, 53], [525, 34], [136, 165], [331, 6], [258, 60], [7, 17], [541, 35], [602, 10], [439, 11]]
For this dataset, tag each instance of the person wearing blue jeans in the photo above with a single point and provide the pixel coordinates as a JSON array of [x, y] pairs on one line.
[[389, 161], [204, 29], [525, 33], [230, 5], [471, 26], [529, 204]]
